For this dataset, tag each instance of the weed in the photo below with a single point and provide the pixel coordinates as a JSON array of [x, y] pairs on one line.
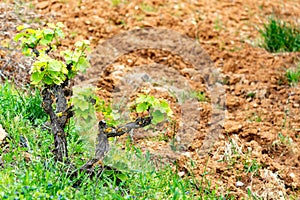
[[255, 118], [115, 2], [148, 8], [251, 166], [251, 95], [293, 76], [283, 140], [252, 196], [183, 96], [225, 81], [279, 36], [200, 96], [218, 24]]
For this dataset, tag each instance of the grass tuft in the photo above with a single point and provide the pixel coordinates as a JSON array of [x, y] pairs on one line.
[[279, 36], [293, 76]]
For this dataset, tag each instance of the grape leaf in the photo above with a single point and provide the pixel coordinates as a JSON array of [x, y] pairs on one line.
[[36, 77], [55, 65], [158, 116], [141, 107], [82, 64], [48, 32]]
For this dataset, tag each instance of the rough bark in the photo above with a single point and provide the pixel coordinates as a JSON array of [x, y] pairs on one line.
[[106, 132], [59, 118]]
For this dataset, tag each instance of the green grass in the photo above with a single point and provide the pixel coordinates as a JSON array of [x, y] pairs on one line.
[[279, 36], [148, 8], [38, 176], [14, 104], [293, 76], [115, 2]]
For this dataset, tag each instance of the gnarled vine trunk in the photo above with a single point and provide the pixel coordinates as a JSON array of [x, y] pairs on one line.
[[59, 118]]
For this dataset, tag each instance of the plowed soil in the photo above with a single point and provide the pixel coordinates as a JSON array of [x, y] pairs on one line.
[[259, 148]]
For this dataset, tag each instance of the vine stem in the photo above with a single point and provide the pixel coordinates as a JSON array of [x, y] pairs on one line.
[[58, 119]]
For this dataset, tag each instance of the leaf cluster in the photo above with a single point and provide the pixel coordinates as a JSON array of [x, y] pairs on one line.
[[47, 70], [86, 103], [31, 38], [159, 108]]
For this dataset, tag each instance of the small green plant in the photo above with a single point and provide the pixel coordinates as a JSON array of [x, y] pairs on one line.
[[250, 95], [218, 24], [158, 108], [279, 36], [183, 96], [86, 103], [284, 140], [251, 166], [200, 96], [115, 2], [293, 76], [255, 118], [148, 8]]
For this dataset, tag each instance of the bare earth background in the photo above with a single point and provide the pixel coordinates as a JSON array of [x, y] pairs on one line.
[[250, 149]]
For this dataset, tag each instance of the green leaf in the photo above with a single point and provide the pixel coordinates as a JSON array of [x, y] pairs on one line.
[[51, 25], [31, 31], [84, 105], [71, 74], [83, 114], [59, 33], [36, 78], [57, 81], [86, 42], [82, 64], [18, 36], [141, 98], [47, 39], [152, 100], [141, 107], [32, 40], [67, 54], [157, 117], [48, 81], [64, 69], [76, 55], [21, 27], [48, 31], [26, 50], [122, 177], [55, 65], [39, 34], [164, 105], [60, 24]]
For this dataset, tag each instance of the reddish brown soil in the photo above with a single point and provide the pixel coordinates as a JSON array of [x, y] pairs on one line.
[[229, 32]]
